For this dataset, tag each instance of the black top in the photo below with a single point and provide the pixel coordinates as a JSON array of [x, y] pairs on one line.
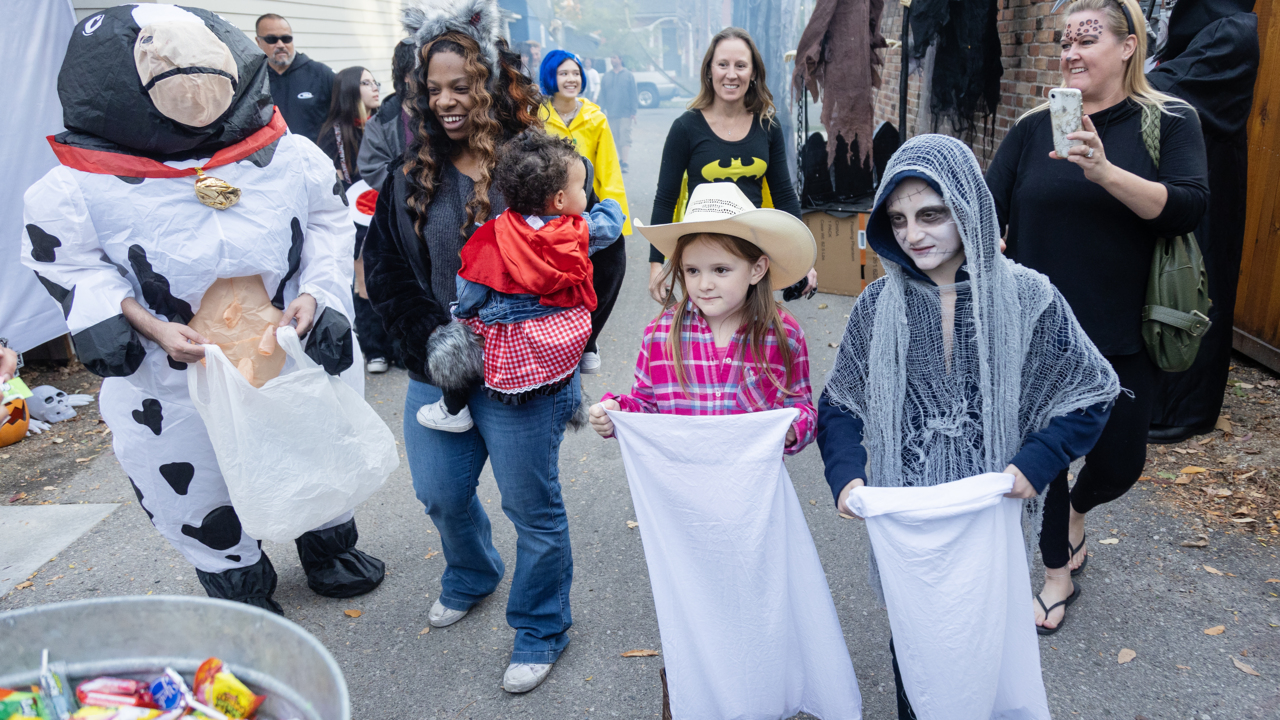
[[1093, 248], [694, 149], [329, 144], [302, 93], [411, 277]]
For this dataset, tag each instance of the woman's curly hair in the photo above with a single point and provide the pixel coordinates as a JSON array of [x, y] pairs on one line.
[[531, 169], [504, 107]]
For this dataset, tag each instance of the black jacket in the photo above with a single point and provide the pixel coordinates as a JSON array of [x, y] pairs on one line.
[[1094, 249], [302, 93]]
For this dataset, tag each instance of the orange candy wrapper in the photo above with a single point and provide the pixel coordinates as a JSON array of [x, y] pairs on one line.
[[219, 689]]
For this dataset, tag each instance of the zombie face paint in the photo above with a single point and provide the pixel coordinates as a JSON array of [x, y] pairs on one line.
[[923, 226]]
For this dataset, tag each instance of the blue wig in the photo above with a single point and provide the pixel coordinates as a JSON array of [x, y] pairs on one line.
[[551, 62]]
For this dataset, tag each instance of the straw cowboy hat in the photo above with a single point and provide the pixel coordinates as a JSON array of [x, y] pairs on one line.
[[720, 207]]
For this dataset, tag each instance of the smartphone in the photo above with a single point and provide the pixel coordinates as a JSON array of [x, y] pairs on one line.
[[1066, 108]]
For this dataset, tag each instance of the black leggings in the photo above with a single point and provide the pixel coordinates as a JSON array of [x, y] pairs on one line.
[[1114, 464], [609, 266]]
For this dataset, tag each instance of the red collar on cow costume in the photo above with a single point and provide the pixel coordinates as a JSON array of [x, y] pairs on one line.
[[103, 162]]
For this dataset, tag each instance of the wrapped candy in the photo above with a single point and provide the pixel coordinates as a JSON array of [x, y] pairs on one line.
[[217, 687], [114, 692]]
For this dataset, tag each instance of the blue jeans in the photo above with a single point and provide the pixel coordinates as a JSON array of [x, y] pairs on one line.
[[523, 443]]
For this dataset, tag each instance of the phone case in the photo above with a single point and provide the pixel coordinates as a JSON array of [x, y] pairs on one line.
[[1065, 108]]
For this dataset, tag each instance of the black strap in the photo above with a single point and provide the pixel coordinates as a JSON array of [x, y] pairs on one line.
[[190, 71]]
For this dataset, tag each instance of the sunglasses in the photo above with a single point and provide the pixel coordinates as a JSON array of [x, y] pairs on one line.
[[273, 39]]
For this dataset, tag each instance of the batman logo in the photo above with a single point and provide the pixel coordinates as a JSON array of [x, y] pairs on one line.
[[713, 171]]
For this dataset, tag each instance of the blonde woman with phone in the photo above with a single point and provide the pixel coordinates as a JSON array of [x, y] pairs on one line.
[[1089, 221]]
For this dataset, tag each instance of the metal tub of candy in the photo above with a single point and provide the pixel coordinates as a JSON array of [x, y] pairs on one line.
[[222, 658]]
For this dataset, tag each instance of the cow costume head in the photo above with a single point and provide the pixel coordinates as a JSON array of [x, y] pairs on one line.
[[163, 81]]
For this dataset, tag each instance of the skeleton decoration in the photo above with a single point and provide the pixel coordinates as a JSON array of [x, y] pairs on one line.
[[51, 405]]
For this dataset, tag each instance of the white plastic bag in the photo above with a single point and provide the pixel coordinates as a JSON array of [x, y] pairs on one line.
[[749, 629], [297, 452], [953, 567]]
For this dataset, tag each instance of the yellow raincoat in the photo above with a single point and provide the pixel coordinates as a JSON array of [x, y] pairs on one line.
[[589, 132]]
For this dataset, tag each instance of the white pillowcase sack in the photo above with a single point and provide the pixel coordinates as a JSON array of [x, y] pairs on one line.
[[953, 568], [749, 630]]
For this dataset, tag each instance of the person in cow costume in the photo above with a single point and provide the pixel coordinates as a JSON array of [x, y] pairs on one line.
[[182, 204]]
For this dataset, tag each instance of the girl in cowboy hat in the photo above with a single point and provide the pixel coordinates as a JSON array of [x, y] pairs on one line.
[[724, 346]]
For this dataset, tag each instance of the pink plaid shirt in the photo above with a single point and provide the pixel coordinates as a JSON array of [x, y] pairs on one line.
[[726, 387]]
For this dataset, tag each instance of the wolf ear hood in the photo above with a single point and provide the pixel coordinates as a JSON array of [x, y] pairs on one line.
[[478, 19], [163, 81]]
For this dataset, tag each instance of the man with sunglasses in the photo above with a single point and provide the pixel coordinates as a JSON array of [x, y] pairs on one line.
[[301, 87]]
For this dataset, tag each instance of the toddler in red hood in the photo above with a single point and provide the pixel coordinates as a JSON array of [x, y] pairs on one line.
[[525, 297]]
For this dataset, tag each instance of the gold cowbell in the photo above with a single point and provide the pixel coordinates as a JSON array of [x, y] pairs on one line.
[[215, 193]]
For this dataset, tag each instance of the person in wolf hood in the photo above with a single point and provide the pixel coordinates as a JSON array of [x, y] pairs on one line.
[[141, 244]]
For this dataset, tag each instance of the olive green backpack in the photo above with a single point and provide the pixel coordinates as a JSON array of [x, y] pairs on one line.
[[1175, 317]]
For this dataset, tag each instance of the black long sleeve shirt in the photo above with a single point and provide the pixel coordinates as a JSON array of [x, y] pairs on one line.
[[756, 163], [1093, 248]]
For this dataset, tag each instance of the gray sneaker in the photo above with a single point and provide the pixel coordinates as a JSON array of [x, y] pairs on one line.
[[523, 677], [377, 365], [590, 364], [441, 616]]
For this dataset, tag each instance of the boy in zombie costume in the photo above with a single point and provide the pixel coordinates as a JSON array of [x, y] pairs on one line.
[[178, 183]]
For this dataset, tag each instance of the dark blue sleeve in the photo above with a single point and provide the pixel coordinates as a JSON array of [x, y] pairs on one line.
[[1048, 452], [840, 442]]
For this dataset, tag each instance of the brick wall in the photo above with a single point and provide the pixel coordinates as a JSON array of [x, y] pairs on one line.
[[1029, 37]]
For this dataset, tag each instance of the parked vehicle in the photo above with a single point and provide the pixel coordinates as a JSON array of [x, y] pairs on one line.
[[653, 87]]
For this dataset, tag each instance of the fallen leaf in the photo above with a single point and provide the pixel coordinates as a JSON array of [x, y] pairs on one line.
[[84, 460], [352, 613], [1109, 541], [1205, 441], [59, 441], [1182, 451], [1216, 630], [640, 653], [1193, 470], [1214, 571], [1247, 475], [1202, 542], [813, 502], [589, 678], [1126, 655], [1245, 668], [23, 585], [1275, 580], [1243, 520], [1246, 386], [1166, 475], [633, 524], [17, 496], [425, 630], [1183, 667], [1222, 493], [822, 306], [1182, 480], [431, 554], [1268, 383]]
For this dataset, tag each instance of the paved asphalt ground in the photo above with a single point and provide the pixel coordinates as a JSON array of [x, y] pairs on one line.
[[1145, 593]]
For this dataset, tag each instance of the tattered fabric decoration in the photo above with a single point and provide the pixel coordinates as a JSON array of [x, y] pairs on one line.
[[844, 35]]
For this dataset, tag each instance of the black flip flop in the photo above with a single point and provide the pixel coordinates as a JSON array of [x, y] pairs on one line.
[[1083, 563], [1042, 630]]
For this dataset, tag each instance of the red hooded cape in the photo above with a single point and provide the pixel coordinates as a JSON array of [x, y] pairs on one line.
[[507, 255]]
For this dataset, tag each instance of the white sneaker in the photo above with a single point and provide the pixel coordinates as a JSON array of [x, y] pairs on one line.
[[590, 364], [377, 365], [436, 417], [523, 677], [441, 616]]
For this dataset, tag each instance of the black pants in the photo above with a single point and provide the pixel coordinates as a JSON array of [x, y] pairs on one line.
[[374, 341], [904, 705], [1114, 464], [609, 266]]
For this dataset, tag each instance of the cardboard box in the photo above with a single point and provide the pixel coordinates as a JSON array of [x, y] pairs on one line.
[[845, 264]]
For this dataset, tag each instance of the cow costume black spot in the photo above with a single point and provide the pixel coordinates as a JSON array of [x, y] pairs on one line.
[[97, 238], [151, 415]]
